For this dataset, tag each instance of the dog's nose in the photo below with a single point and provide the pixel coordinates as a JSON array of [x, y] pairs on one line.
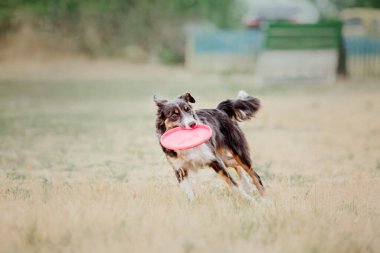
[[192, 124]]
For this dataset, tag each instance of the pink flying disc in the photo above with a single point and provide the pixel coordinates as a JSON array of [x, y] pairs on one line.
[[180, 138]]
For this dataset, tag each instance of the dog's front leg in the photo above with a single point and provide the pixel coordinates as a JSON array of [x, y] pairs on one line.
[[183, 180]]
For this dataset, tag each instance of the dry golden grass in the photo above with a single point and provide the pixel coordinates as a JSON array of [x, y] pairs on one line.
[[81, 171]]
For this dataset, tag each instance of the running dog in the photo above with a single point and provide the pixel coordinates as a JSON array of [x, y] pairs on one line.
[[227, 147]]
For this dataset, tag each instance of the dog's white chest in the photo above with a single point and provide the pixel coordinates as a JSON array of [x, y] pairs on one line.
[[195, 157]]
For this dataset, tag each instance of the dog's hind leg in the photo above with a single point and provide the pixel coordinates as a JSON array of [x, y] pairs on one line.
[[245, 164], [183, 180], [221, 170], [244, 181]]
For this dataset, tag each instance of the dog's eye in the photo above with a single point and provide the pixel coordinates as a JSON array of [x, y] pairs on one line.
[[174, 117], [186, 109]]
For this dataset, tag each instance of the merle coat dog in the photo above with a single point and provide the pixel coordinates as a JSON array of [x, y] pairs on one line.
[[227, 147]]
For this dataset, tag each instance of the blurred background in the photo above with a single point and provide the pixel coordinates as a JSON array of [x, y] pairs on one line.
[[317, 40], [81, 168]]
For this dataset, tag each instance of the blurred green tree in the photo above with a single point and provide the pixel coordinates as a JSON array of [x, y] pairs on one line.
[[330, 9], [107, 27]]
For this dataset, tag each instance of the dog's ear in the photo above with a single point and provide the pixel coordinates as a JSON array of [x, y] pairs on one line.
[[187, 97], [159, 102]]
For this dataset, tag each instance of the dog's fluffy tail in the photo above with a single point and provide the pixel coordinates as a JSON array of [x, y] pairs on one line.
[[242, 108]]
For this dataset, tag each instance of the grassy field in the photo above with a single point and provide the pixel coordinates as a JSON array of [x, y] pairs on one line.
[[81, 170]]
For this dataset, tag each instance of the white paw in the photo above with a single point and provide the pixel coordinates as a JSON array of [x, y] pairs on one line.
[[190, 196], [247, 187]]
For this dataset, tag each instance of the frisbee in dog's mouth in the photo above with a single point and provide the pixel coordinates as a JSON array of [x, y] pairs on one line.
[[180, 138]]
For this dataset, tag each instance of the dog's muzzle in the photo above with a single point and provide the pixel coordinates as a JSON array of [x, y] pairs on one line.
[[189, 122], [192, 124]]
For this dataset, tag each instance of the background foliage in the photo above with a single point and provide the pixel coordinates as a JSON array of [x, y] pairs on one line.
[[106, 27], [125, 28]]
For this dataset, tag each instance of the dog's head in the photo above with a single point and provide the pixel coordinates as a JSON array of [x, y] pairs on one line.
[[176, 113]]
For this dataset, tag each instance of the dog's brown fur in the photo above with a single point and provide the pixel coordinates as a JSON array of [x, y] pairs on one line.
[[227, 146]]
